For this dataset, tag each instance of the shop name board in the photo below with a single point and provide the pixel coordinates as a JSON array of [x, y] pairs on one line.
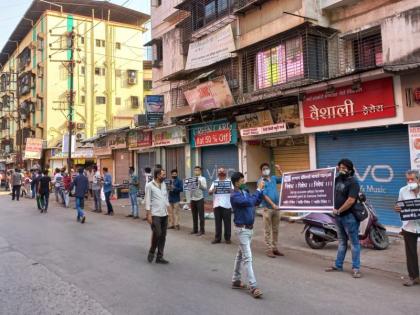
[[216, 133], [117, 141], [79, 153], [264, 130], [154, 106], [414, 138], [139, 139], [169, 136], [372, 100], [33, 149]]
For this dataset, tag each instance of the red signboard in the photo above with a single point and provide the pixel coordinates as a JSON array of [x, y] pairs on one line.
[[371, 100], [213, 138]]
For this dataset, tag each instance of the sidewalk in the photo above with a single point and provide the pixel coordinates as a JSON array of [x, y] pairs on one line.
[[291, 240]]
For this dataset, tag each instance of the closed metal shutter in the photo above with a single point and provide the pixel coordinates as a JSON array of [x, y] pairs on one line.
[[122, 164], [146, 159], [381, 157], [175, 159], [218, 156], [107, 162], [292, 158]]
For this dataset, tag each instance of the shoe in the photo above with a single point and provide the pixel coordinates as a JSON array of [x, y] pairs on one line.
[[270, 253], [162, 261], [333, 269], [228, 242], [200, 233], [277, 252], [136, 217], [150, 257], [192, 233], [78, 219], [83, 220], [129, 216], [106, 214], [356, 274], [112, 213], [215, 242], [411, 282], [177, 227], [171, 227]]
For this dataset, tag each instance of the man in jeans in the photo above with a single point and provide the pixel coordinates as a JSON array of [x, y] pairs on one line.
[[411, 228], [108, 191], [96, 189], [197, 202], [346, 193], [16, 184], [81, 183], [174, 199], [156, 200], [221, 189], [243, 205], [57, 181], [133, 187], [271, 214]]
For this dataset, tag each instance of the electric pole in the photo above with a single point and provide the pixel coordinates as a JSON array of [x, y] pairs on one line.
[[71, 37]]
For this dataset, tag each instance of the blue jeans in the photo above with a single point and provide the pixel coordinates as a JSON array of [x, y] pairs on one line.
[[348, 229], [134, 204], [244, 257], [80, 203]]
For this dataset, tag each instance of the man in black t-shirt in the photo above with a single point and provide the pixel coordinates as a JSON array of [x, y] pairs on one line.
[[346, 193], [44, 190]]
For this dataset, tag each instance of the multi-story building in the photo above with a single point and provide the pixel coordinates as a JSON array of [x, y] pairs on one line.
[[35, 81]]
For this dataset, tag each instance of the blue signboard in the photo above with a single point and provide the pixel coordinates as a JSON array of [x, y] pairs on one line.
[[219, 132], [154, 106]]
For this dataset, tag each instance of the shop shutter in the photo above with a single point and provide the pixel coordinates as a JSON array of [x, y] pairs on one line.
[[107, 162], [218, 156], [175, 159], [292, 158], [381, 157], [122, 164], [144, 160]]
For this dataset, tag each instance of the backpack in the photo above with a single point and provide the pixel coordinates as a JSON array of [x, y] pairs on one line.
[[359, 210]]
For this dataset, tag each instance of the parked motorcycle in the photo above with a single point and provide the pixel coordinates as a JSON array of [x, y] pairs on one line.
[[321, 229]]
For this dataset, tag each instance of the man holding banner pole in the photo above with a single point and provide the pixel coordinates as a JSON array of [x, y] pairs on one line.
[[271, 214]]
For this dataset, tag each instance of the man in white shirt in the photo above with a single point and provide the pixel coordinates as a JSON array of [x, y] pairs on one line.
[[57, 181], [197, 202], [411, 229], [96, 189], [221, 189], [156, 200]]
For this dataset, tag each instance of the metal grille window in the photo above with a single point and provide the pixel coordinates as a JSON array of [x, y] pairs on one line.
[[100, 100], [24, 59], [134, 101], [147, 84], [118, 101]]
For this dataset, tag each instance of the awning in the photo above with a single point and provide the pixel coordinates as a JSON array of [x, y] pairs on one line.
[[402, 67]]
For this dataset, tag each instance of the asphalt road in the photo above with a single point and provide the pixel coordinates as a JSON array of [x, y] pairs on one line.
[[49, 264]]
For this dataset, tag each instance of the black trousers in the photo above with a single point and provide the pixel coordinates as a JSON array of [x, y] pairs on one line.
[[225, 215], [410, 240], [16, 192], [197, 209], [108, 202], [159, 227]]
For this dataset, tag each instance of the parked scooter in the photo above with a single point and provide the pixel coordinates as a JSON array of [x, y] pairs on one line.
[[321, 228]]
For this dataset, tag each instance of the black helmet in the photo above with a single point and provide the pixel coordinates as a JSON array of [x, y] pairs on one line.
[[348, 164]]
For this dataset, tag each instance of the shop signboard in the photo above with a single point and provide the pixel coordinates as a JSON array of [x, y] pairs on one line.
[[65, 147], [308, 191], [208, 95], [370, 100], [79, 153], [414, 138], [154, 107], [214, 133], [168, 136], [139, 139], [33, 149], [265, 130], [117, 141], [101, 147]]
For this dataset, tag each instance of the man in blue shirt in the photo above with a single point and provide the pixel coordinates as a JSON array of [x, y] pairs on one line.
[[175, 188], [108, 191], [271, 214], [243, 206], [81, 183], [133, 191]]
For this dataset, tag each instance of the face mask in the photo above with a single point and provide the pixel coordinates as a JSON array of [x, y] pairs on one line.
[[266, 172], [174, 177], [342, 173], [222, 174], [413, 186], [242, 187]]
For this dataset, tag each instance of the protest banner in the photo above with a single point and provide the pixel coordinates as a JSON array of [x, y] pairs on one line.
[[190, 183], [222, 187], [410, 209]]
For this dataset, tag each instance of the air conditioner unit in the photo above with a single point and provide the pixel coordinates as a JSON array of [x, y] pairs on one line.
[[80, 136], [140, 120], [132, 81], [80, 125]]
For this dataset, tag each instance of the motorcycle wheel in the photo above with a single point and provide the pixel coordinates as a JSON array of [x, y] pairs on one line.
[[313, 241], [379, 238]]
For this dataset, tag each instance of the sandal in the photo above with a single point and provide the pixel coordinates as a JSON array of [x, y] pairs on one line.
[[255, 292], [238, 284], [333, 269]]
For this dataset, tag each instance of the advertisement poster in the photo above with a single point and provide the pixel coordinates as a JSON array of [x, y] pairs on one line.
[[410, 209], [154, 107], [308, 191], [33, 149], [222, 187], [414, 138], [190, 183], [214, 133]]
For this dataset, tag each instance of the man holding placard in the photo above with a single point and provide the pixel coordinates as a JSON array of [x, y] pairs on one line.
[[197, 201], [221, 189], [271, 214], [410, 228]]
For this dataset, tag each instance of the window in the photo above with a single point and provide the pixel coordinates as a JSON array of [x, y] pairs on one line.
[[99, 71], [100, 43], [82, 40], [147, 85], [100, 100], [82, 99], [210, 10], [118, 73], [134, 102], [25, 83], [157, 53], [203, 13], [117, 45], [4, 82], [103, 43], [40, 70], [368, 51], [24, 59], [118, 101], [132, 77], [83, 70]]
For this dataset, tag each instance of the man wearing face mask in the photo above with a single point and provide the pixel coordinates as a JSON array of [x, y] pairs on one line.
[[133, 189], [156, 199], [221, 205], [271, 214], [197, 202], [174, 199], [243, 205], [346, 193], [411, 229]]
